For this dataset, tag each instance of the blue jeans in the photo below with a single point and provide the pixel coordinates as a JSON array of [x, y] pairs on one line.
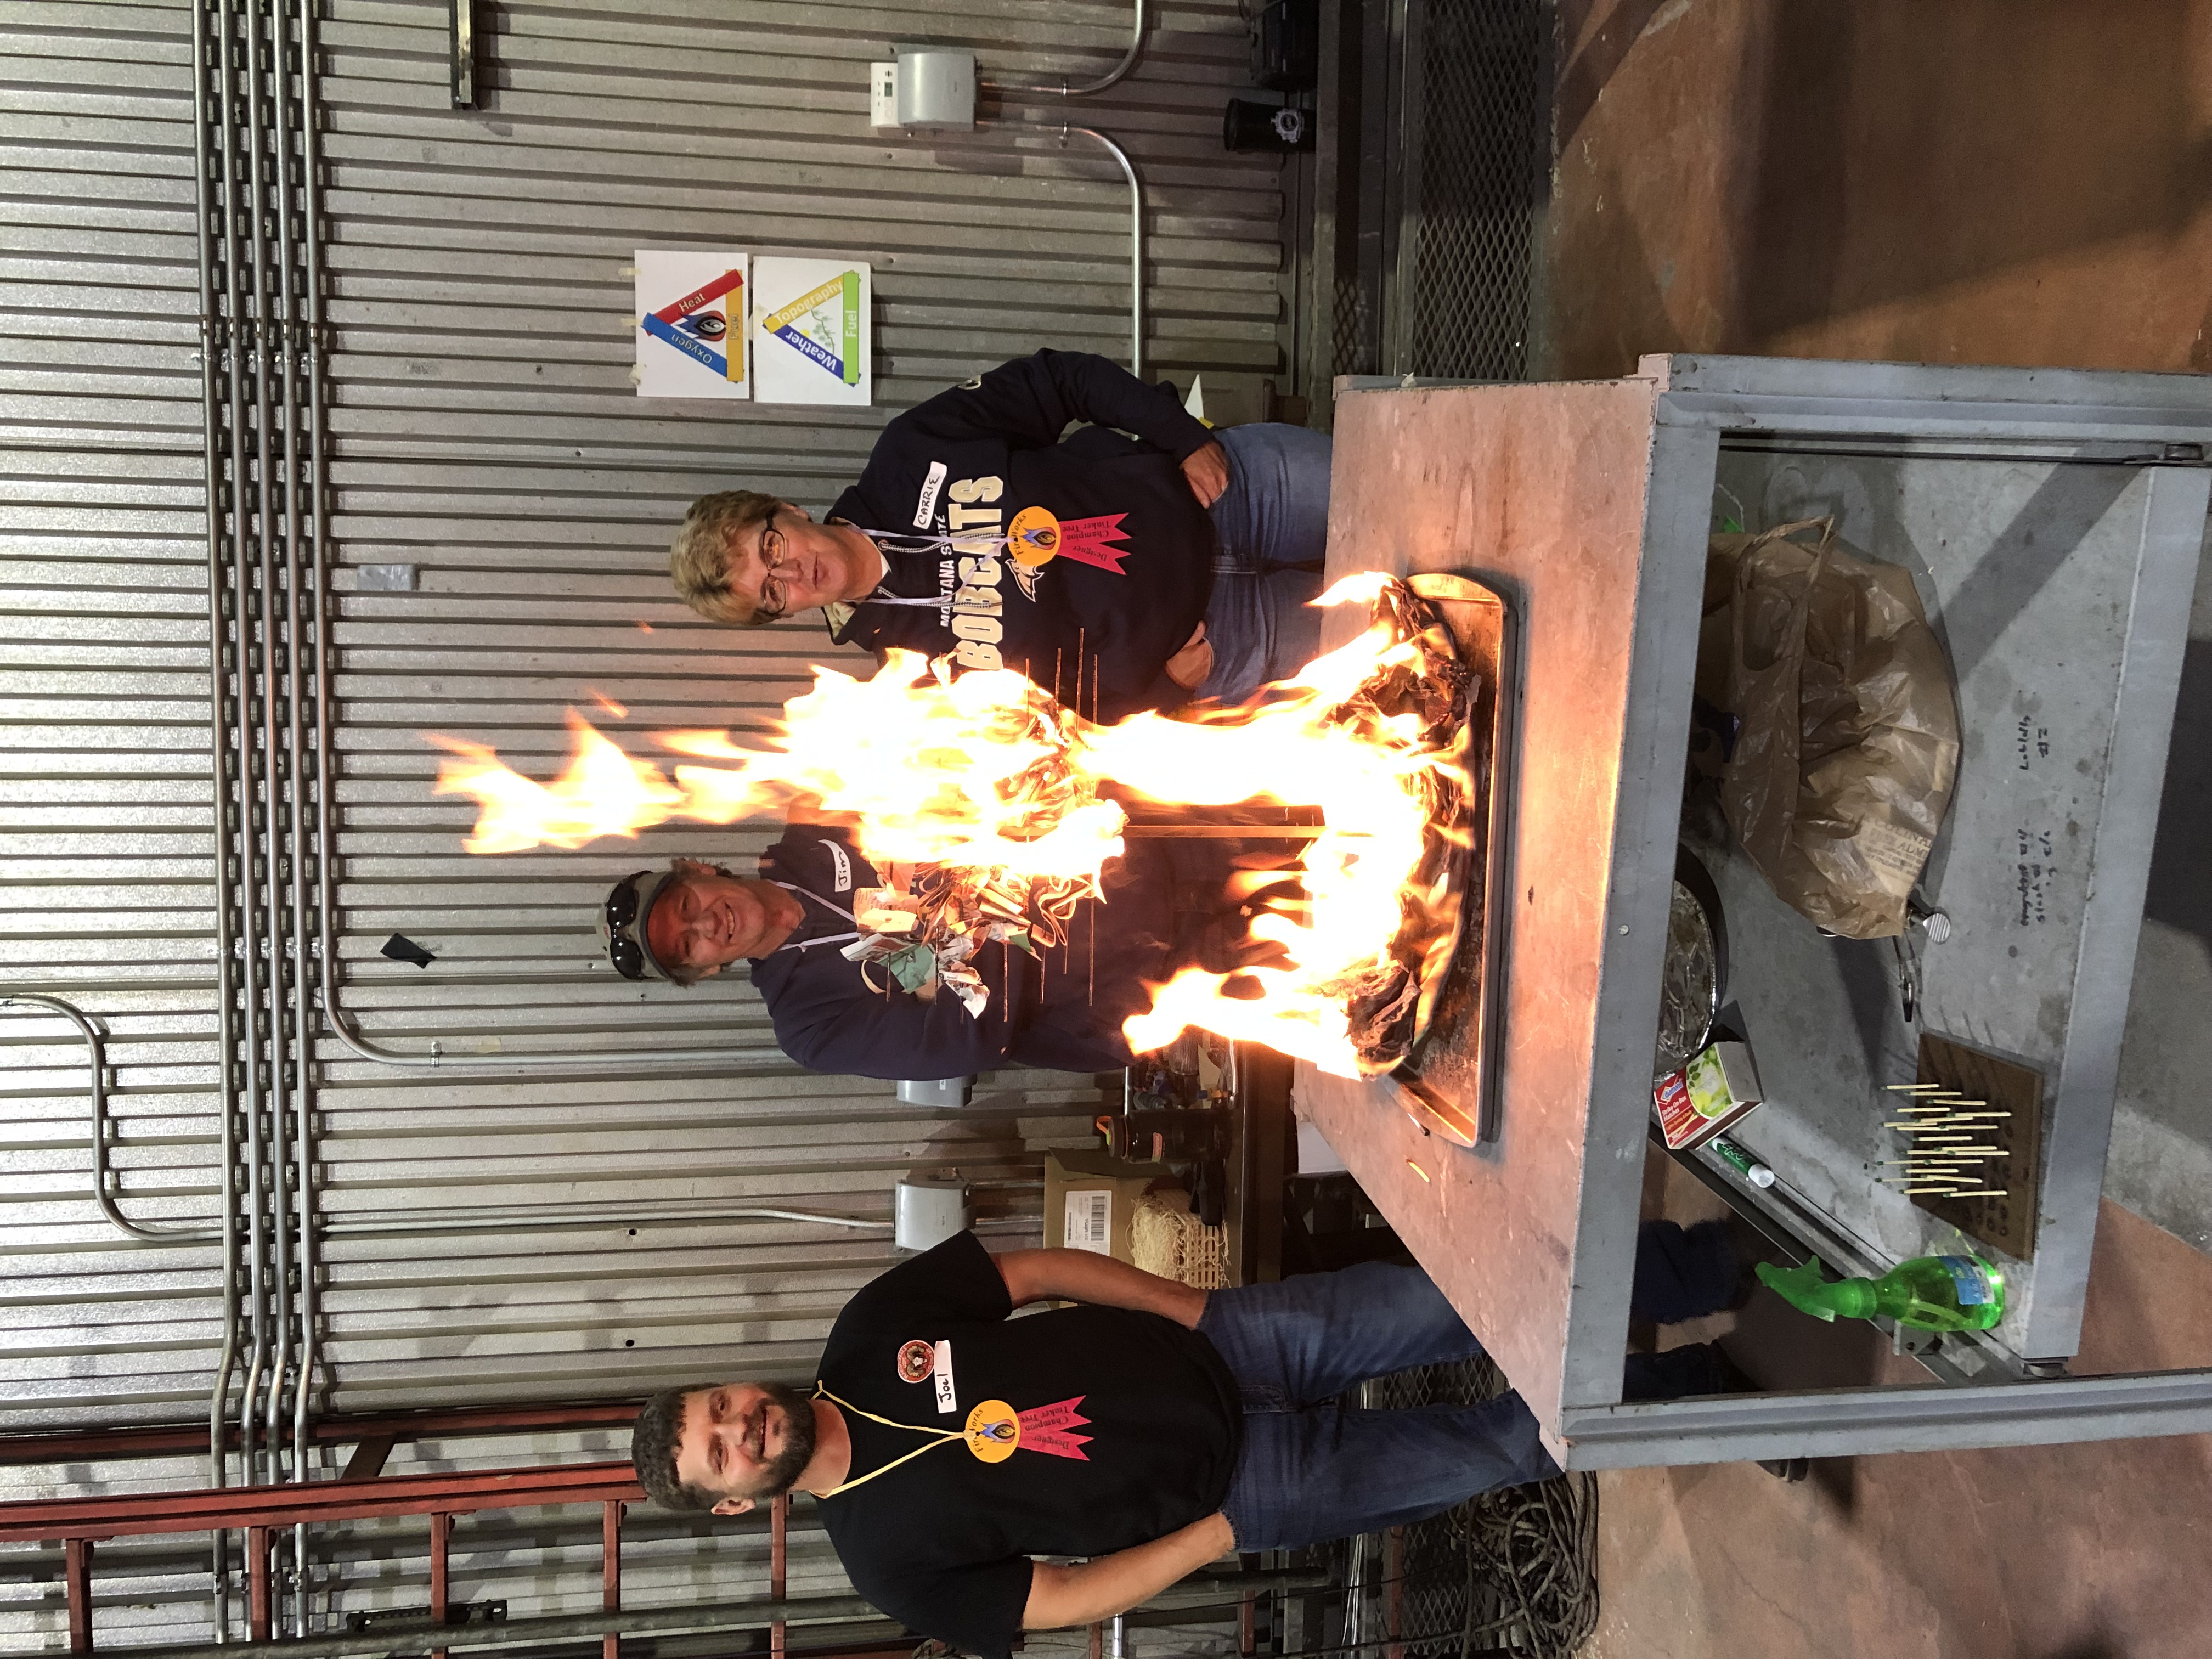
[[1272, 523], [1313, 1470]]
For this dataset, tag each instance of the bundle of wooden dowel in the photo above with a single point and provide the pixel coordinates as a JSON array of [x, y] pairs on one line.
[[1948, 1153]]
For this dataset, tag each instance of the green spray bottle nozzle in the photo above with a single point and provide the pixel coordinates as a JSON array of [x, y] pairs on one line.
[[1805, 1290]]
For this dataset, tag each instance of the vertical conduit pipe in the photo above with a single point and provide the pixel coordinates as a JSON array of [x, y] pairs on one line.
[[318, 527], [1136, 243], [1063, 89], [266, 351], [302, 950], [214, 344], [249, 932]]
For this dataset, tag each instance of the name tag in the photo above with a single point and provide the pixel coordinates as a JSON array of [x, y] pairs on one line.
[[942, 1373], [926, 506]]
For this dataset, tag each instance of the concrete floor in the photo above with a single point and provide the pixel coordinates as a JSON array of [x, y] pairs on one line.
[[1996, 181]]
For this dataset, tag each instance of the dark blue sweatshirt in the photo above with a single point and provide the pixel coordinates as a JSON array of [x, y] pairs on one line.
[[1117, 564], [1063, 1012]]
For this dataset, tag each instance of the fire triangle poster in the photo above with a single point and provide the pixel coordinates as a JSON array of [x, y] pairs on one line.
[[692, 308], [810, 332]]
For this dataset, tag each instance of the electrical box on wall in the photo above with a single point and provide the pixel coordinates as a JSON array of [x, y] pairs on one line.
[[933, 90], [883, 94]]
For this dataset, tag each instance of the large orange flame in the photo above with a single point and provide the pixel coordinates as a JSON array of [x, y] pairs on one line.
[[986, 770]]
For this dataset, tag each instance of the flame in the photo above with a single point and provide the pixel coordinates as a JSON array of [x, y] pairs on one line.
[[603, 792], [984, 770]]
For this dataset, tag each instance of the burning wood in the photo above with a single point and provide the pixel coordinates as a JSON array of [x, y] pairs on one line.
[[996, 794]]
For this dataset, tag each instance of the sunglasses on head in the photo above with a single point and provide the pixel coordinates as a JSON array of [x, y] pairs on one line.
[[622, 948]]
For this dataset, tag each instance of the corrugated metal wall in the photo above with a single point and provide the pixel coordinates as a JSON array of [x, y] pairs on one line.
[[484, 431]]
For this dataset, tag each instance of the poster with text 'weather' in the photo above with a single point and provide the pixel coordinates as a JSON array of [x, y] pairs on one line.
[[691, 334], [810, 333]]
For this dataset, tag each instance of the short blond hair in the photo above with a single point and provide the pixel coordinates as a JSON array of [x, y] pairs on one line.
[[699, 559]]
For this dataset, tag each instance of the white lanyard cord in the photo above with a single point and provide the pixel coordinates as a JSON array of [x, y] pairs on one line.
[[827, 939]]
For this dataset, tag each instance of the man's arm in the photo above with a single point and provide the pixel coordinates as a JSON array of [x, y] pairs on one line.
[[857, 1032], [1085, 1276], [1031, 399], [1114, 1584]]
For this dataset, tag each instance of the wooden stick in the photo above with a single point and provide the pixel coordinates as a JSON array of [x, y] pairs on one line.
[[1226, 831]]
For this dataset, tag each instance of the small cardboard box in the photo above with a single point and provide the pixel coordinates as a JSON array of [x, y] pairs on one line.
[[1716, 1089], [1089, 1198]]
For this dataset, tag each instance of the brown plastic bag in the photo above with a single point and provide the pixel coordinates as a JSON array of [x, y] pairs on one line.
[[1849, 745]]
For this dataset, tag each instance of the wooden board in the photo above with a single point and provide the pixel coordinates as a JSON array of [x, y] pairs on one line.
[[2005, 1222]]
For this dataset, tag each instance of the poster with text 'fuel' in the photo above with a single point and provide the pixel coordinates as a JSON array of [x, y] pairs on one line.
[[691, 336], [810, 333]]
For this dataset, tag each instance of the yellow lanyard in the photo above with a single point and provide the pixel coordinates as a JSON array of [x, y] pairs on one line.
[[937, 1437]]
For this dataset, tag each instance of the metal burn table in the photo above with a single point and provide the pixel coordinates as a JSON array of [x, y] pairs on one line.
[[2053, 521]]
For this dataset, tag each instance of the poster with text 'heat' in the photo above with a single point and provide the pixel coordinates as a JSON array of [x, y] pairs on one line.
[[691, 335], [810, 333]]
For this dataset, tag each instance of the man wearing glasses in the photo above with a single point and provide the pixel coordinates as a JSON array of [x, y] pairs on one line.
[[1139, 562]]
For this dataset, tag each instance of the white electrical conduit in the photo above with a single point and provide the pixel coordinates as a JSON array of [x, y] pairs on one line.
[[1063, 89], [1136, 242]]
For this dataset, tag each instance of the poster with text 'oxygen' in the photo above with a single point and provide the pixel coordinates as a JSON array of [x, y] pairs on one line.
[[810, 332], [691, 334]]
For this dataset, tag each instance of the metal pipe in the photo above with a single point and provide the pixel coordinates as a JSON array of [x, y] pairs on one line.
[[317, 525], [767, 1058], [439, 1224], [216, 342], [1063, 89], [268, 359], [249, 931], [1203, 1591], [100, 1172], [1136, 243], [302, 1353]]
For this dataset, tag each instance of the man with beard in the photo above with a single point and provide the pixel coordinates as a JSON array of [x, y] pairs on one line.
[[1151, 1428]]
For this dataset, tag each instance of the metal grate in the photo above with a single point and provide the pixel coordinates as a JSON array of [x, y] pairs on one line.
[[1515, 1568], [1477, 83]]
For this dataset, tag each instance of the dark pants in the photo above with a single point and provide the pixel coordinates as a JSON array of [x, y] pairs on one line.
[[1313, 1470]]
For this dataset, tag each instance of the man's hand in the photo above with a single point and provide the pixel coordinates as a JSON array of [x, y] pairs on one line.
[[1207, 469], [1190, 666], [1084, 1276], [1114, 1584]]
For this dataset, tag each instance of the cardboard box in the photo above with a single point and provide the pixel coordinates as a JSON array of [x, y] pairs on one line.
[[1716, 1089], [1089, 1198]]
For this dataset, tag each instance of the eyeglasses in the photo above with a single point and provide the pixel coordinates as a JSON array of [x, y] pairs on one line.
[[773, 549], [622, 948]]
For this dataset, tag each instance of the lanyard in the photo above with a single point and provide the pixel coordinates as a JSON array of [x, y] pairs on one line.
[[937, 1437], [963, 546], [826, 938]]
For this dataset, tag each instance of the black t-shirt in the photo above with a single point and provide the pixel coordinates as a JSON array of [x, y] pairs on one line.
[[1129, 1428]]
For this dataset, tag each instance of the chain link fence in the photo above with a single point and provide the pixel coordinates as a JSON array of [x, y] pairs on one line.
[[1480, 79]]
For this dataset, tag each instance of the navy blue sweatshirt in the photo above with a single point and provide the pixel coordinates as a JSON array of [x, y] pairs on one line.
[[1063, 1012], [1116, 563]]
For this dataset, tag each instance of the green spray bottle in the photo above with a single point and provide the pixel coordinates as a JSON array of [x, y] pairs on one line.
[[1933, 1293]]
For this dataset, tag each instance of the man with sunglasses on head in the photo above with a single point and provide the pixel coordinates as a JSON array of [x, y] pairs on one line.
[[1061, 1011], [1134, 563]]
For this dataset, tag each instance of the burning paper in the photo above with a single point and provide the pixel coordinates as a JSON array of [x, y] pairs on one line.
[[993, 791]]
